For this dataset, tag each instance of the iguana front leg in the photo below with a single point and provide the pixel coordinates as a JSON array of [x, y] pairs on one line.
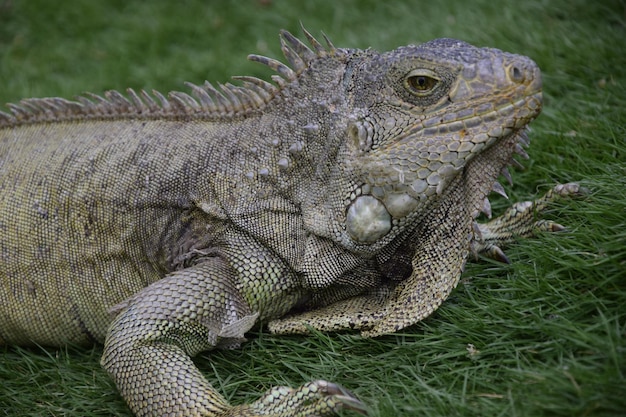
[[388, 309], [149, 347], [521, 220]]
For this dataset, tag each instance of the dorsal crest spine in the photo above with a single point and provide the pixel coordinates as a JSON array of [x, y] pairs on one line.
[[205, 101]]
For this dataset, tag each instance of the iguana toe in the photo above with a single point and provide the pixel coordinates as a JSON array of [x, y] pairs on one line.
[[549, 226], [494, 252]]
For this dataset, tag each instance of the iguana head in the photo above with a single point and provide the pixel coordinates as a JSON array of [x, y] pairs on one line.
[[422, 113]]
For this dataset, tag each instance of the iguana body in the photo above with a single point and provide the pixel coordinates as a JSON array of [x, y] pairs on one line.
[[345, 196]]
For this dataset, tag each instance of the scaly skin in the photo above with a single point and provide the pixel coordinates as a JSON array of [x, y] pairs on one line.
[[342, 198]]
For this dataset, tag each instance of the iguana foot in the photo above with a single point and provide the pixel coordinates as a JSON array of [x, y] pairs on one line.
[[315, 399], [520, 220]]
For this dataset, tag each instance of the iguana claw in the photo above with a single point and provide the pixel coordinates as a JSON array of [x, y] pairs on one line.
[[314, 399]]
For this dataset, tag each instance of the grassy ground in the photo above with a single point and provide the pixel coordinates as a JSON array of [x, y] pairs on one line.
[[549, 331]]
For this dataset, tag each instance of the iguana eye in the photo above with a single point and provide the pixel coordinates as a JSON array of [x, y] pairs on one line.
[[421, 82]]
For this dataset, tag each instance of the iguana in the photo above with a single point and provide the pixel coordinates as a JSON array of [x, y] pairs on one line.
[[343, 196]]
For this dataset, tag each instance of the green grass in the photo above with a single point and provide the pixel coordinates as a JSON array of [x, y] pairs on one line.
[[548, 331]]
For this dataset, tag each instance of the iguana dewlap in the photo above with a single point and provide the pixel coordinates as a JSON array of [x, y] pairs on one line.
[[342, 196]]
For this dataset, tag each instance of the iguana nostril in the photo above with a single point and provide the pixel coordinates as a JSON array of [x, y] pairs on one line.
[[517, 74]]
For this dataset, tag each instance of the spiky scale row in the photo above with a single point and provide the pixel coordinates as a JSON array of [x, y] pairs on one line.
[[206, 101]]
